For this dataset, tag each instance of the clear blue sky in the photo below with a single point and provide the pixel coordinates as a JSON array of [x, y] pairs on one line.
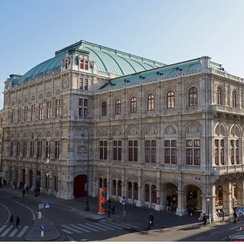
[[168, 31]]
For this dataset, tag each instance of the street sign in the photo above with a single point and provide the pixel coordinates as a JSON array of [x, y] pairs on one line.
[[42, 227], [240, 211], [47, 205], [240, 227], [123, 202], [41, 205], [240, 214]]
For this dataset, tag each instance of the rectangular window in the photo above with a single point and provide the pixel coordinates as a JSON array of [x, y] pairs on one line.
[[197, 157], [86, 65], [12, 116], [81, 64], [12, 149], [17, 148], [222, 156], [83, 110], [189, 156], [170, 151], [31, 149], [133, 151], [81, 84], [117, 150], [103, 150], [19, 115], [25, 113], [216, 155], [58, 108], [40, 117], [57, 143], [48, 149], [49, 109], [193, 148], [86, 84], [150, 151], [24, 148], [39, 152], [33, 111]]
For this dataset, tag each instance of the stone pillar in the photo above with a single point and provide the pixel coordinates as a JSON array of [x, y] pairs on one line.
[[204, 204], [140, 200], [163, 200], [150, 195], [181, 209], [159, 205]]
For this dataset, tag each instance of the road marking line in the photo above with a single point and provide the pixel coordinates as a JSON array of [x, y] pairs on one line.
[[68, 232], [200, 238], [223, 238], [79, 228], [87, 227], [104, 226], [6, 231], [235, 227], [14, 232], [125, 225], [100, 228], [8, 214], [70, 228], [3, 227], [110, 224], [214, 233], [23, 231]]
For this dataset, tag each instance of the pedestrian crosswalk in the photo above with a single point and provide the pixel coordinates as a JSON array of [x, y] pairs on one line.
[[11, 231], [94, 227]]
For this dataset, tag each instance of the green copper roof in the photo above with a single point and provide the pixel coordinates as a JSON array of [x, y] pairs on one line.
[[107, 59], [154, 73]]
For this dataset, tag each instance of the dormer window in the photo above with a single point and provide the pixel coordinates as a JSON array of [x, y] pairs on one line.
[[83, 64], [66, 64]]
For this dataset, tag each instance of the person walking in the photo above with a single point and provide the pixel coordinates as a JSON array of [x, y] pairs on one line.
[[235, 217], [23, 192], [223, 215], [151, 221], [11, 219], [27, 189], [109, 208], [17, 222], [113, 208], [204, 219]]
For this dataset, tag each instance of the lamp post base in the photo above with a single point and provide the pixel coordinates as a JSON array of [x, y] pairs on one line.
[[87, 205]]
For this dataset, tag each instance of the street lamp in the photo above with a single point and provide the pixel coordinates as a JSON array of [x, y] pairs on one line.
[[87, 186], [36, 192]]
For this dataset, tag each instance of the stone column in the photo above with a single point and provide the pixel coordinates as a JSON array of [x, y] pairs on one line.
[[159, 205], [181, 209], [140, 200]]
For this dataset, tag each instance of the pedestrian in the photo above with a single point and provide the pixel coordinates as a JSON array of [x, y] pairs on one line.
[[27, 189], [11, 219], [109, 208], [235, 217], [17, 222], [223, 215], [113, 208], [171, 206], [4, 182], [204, 219], [151, 220], [23, 192]]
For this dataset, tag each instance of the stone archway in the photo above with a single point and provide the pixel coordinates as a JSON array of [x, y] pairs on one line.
[[193, 198], [170, 197], [80, 182]]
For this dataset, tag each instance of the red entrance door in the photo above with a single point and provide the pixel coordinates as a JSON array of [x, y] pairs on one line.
[[79, 186]]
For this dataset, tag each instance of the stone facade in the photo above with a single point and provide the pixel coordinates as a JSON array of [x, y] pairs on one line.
[[164, 139]]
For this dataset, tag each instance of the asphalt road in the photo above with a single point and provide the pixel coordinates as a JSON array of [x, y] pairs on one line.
[[76, 225]]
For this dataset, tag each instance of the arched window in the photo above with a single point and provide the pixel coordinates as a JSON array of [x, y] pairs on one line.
[[117, 106], [133, 105], [104, 109], [170, 100], [150, 102], [66, 64], [193, 97], [114, 188], [233, 99], [218, 96]]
